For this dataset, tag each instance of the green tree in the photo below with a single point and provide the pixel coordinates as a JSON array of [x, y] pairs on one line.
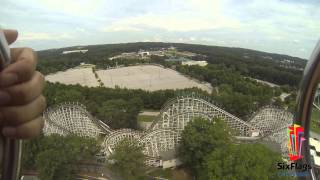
[[241, 162], [31, 148], [128, 160], [201, 137], [54, 156], [54, 165], [120, 113]]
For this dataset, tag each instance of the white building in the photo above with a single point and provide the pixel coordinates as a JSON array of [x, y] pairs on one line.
[[75, 51], [126, 55], [170, 163], [144, 54], [169, 159], [191, 62], [171, 48]]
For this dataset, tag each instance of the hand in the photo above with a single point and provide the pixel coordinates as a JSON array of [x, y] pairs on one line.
[[21, 99]]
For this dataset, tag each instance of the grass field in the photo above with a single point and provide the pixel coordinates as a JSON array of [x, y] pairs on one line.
[[145, 118]]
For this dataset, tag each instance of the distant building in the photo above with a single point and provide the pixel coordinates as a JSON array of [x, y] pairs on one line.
[[84, 65], [143, 54], [191, 63], [169, 159], [75, 51], [177, 59], [171, 48], [288, 61], [255, 133], [127, 55], [267, 57]]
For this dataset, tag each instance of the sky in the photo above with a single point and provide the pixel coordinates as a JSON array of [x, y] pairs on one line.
[[289, 27]]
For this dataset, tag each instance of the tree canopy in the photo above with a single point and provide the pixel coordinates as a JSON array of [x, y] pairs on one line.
[[240, 162], [127, 160], [208, 149], [121, 113], [201, 137], [54, 156]]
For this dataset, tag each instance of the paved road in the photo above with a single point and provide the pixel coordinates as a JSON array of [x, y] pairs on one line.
[[85, 177]]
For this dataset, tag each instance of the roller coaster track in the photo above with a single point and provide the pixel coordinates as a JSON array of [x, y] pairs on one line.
[[267, 124]]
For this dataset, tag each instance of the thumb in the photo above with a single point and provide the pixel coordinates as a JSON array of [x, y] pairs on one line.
[[11, 35]]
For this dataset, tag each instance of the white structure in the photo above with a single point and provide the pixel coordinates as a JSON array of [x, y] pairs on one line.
[[171, 48], [72, 119], [127, 55], [75, 51], [162, 139], [191, 63], [170, 163], [114, 137], [315, 150], [144, 54], [271, 119]]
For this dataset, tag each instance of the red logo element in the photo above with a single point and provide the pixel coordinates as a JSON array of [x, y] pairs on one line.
[[296, 139]]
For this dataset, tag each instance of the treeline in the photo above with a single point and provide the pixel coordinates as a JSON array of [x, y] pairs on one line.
[[234, 92], [251, 63], [248, 62], [117, 107]]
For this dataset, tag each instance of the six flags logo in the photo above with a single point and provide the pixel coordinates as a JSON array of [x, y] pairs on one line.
[[295, 133]]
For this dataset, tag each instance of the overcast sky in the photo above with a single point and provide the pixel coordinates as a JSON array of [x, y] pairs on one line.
[[281, 26]]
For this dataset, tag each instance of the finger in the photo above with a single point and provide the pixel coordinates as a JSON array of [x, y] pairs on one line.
[[16, 115], [11, 35], [24, 131], [25, 92], [22, 68]]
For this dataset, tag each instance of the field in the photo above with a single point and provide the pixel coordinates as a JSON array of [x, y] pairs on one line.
[[82, 76], [146, 118], [146, 77]]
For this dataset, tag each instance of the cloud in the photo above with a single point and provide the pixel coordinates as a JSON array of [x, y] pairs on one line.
[[33, 36], [121, 28], [174, 22], [69, 7], [281, 26], [192, 38]]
